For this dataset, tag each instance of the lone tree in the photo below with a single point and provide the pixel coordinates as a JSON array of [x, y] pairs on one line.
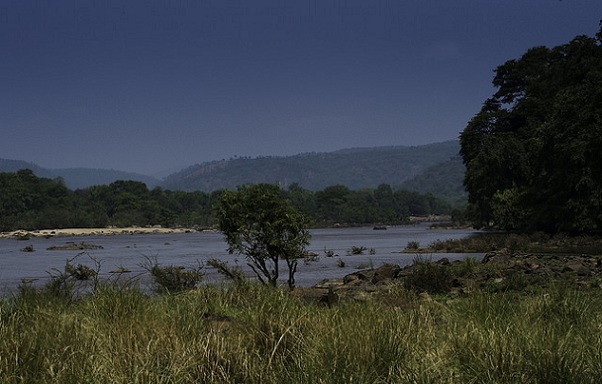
[[260, 224], [533, 153]]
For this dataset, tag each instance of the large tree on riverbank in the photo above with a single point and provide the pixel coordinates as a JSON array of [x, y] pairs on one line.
[[534, 152]]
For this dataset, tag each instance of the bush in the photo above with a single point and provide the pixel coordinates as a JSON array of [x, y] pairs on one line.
[[80, 272], [173, 278], [429, 277], [355, 250]]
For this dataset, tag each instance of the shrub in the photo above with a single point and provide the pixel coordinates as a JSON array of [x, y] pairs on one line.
[[80, 272], [429, 277], [173, 278], [355, 250]]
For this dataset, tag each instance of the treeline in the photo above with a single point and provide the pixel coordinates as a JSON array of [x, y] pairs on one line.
[[30, 202]]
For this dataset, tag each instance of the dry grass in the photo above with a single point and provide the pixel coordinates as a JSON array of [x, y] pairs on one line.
[[245, 333]]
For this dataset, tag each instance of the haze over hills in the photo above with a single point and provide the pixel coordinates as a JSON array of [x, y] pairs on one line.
[[444, 180], [7, 165], [78, 178], [354, 168], [434, 168]]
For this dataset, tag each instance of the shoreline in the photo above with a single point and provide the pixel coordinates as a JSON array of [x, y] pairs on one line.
[[22, 234]]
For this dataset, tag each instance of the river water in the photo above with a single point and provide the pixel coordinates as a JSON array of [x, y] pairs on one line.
[[132, 252]]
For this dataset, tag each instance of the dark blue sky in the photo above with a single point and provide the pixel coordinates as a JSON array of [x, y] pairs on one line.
[[147, 86]]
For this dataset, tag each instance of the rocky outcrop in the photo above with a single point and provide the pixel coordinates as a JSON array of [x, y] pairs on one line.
[[498, 271]]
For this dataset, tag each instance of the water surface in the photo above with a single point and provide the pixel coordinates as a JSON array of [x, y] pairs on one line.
[[192, 249]]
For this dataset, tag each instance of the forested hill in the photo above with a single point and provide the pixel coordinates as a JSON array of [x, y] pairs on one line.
[[7, 165], [78, 178], [444, 180], [354, 168]]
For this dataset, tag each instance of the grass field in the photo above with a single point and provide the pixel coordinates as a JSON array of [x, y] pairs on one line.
[[247, 333]]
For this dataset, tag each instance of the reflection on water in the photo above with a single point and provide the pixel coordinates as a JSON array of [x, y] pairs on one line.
[[189, 249]]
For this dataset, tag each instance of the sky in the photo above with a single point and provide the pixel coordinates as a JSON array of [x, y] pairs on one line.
[[153, 86]]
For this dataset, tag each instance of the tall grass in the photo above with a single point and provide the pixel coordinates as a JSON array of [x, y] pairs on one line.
[[245, 333], [553, 338]]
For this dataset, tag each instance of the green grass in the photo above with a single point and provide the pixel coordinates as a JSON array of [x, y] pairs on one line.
[[536, 242], [246, 333]]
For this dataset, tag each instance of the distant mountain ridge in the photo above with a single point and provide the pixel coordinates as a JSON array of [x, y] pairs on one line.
[[436, 168], [78, 178], [7, 165], [355, 168]]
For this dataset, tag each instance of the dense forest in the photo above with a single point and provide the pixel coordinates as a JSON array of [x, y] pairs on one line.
[[31, 202], [533, 153]]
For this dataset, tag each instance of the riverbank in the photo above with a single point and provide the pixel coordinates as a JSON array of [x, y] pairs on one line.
[[109, 231]]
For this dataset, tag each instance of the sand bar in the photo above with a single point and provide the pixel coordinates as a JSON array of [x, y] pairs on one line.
[[23, 234]]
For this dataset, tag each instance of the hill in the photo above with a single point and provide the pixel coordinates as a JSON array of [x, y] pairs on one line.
[[7, 165], [444, 180], [77, 178], [355, 168], [84, 177]]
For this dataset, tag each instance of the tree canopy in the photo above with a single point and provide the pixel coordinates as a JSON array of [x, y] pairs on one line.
[[259, 223], [30, 202], [533, 153]]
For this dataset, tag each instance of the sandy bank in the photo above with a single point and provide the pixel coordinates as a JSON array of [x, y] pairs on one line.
[[23, 234]]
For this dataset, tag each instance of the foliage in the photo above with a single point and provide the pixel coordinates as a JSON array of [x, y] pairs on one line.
[[428, 277], [537, 242], [413, 245], [80, 272], [29, 202], [173, 278], [532, 153], [235, 274], [260, 224], [64, 285], [357, 250]]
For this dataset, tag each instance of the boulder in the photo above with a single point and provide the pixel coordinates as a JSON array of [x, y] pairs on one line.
[[385, 273], [578, 267]]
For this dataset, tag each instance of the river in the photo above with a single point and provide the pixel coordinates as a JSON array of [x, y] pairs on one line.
[[131, 252]]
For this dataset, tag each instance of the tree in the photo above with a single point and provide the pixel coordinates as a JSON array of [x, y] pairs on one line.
[[532, 153], [331, 203], [260, 224]]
